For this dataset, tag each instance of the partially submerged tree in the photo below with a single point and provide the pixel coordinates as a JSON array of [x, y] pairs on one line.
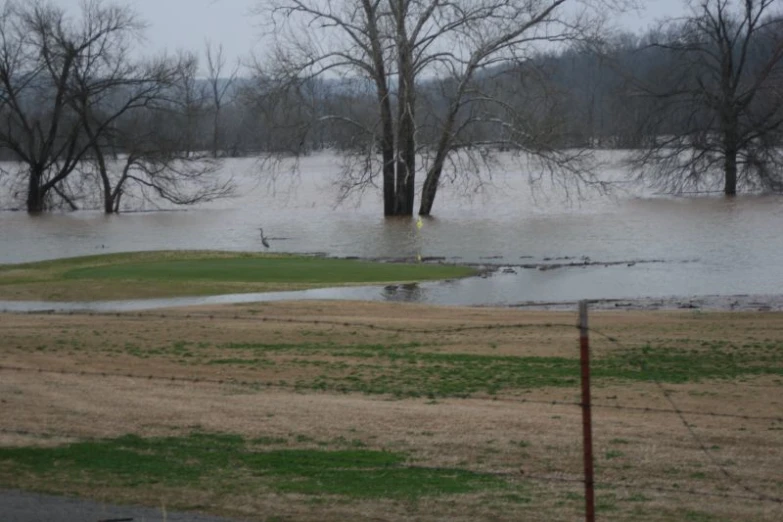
[[65, 88], [40, 51], [154, 165], [124, 107], [718, 118], [398, 46], [107, 84]]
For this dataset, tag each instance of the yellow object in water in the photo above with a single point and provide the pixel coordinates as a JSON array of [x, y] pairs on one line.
[[419, 223]]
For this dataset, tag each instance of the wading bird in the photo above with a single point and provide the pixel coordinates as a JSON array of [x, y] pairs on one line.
[[263, 239]]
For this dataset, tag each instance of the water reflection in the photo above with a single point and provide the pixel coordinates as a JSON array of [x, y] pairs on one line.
[[411, 292]]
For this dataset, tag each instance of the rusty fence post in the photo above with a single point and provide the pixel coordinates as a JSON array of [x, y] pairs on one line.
[[587, 421]]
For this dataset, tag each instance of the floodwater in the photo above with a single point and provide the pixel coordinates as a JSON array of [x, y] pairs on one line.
[[657, 246]]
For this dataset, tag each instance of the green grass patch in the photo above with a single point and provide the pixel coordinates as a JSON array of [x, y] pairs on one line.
[[291, 269], [209, 462], [172, 273], [411, 370], [425, 369], [680, 365]]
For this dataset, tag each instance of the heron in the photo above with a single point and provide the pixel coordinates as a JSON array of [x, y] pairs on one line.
[[263, 239]]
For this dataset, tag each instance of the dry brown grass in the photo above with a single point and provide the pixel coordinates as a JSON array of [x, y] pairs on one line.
[[537, 444]]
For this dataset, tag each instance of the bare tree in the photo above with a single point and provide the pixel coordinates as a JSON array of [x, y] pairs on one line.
[[155, 165], [398, 46], [106, 85], [68, 90], [718, 117], [219, 87], [121, 105], [40, 51]]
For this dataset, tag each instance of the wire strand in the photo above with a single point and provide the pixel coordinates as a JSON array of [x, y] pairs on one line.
[[681, 415]]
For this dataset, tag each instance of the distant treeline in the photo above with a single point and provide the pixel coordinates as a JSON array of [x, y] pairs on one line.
[[74, 100]]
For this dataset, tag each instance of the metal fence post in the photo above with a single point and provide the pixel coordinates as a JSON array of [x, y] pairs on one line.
[[587, 423]]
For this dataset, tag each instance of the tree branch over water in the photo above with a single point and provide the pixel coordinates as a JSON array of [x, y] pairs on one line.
[[383, 58]]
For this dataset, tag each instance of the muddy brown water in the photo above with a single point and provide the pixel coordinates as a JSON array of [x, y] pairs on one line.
[[637, 244]]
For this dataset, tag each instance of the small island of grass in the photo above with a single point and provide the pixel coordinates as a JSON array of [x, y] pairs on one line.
[[188, 273]]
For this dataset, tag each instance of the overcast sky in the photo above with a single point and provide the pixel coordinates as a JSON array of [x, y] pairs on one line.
[[186, 24]]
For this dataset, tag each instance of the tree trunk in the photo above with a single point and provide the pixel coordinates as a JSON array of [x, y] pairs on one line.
[[730, 131], [428, 192], [430, 187], [406, 171], [384, 104], [387, 149], [117, 198], [216, 133], [108, 196], [35, 193], [388, 179], [406, 142], [406, 121], [432, 180], [730, 172]]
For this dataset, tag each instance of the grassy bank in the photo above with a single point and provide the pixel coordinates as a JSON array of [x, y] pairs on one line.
[[181, 273]]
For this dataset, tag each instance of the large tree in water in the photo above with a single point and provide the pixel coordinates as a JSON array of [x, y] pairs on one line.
[[719, 114], [401, 49], [41, 52]]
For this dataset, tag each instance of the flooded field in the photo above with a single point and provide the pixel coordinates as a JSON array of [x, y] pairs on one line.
[[631, 243]]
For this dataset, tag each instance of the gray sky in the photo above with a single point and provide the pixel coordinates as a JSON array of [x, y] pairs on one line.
[[185, 24], [653, 10]]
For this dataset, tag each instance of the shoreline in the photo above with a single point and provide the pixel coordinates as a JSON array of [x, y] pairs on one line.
[[722, 303], [715, 303], [91, 294]]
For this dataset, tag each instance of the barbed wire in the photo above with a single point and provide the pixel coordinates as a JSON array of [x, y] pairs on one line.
[[642, 409], [370, 326], [703, 447], [316, 322], [313, 322], [752, 494], [690, 492], [148, 377], [615, 341], [47, 435], [277, 385], [658, 489]]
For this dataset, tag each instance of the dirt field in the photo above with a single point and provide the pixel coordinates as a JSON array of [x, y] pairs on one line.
[[491, 391]]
